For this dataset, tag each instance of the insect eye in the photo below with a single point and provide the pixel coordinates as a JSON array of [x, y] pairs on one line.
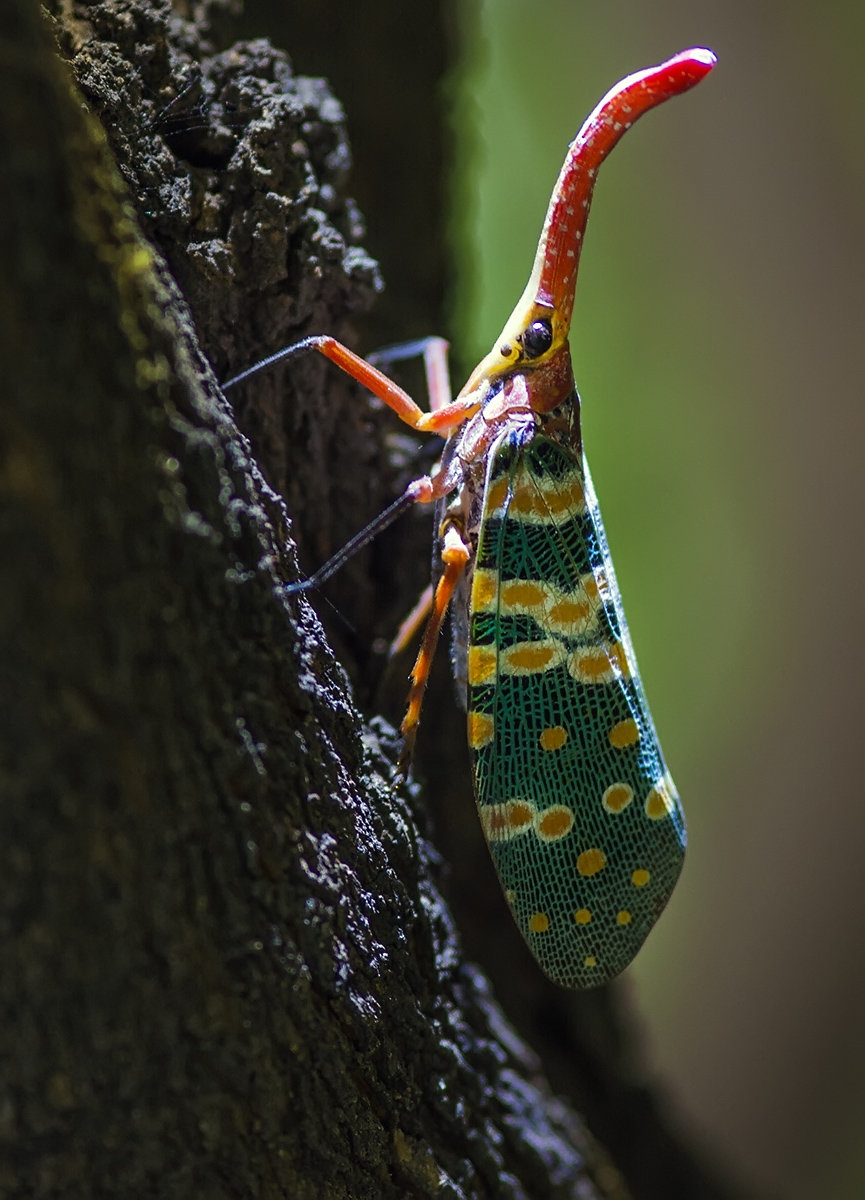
[[537, 338]]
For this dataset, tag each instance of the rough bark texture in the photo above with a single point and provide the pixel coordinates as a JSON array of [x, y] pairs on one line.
[[225, 966]]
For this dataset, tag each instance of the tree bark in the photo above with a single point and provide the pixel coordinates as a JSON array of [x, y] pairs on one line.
[[226, 966]]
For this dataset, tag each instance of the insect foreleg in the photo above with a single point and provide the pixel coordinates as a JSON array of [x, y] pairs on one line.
[[445, 415]]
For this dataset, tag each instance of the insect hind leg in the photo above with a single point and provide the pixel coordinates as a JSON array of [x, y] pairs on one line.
[[434, 351]]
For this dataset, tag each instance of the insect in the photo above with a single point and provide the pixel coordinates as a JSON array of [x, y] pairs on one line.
[[579, 811]]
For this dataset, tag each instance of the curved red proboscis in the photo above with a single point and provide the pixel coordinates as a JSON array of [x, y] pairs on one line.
[[568, 211]]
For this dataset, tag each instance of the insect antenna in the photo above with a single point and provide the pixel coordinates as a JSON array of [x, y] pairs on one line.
[[282, 355]]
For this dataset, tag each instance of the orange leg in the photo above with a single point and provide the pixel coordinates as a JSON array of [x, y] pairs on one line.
[[442, 420], [455, 555], [446, 414], [409, 628], [438, 381], [434, 351]]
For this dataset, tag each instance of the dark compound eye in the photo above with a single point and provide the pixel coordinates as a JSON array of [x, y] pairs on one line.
[[537, 339]]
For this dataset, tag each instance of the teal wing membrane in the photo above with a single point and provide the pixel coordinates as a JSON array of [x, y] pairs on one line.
[[581, 816]]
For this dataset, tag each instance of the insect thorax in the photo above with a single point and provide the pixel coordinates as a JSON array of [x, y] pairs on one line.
[[561, 426]]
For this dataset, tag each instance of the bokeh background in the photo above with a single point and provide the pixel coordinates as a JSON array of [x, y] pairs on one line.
[[718, 346]]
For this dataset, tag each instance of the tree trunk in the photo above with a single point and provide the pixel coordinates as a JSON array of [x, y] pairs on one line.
[[226, 966]]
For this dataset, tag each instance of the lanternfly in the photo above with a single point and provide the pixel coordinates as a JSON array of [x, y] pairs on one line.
[[579, 811]]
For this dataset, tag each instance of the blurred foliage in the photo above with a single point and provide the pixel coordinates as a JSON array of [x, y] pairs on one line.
[[717, 348]]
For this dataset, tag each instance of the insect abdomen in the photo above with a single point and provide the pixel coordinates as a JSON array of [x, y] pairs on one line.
[[581, 816]]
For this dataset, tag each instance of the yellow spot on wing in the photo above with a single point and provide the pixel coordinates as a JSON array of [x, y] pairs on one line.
[[518, 594], [617, 797], [539, 922], [591, 664], [555, 611], [500, 822], [543, 499], [525, 502], [482, 664], [624, 733], [659, 802], [485, 586], [521, 813], [553, 738], [640, 877], [481, 729], [568, 615], [620, 658], [590, 586], [497, 494], [525, 658], [591, 861], [590, 961], [623, 917], [599, 664], [582, 916], [494, 821], [565, 501], [554, 823]]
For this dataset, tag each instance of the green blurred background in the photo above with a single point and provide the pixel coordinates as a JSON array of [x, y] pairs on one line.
[[718, 346]]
